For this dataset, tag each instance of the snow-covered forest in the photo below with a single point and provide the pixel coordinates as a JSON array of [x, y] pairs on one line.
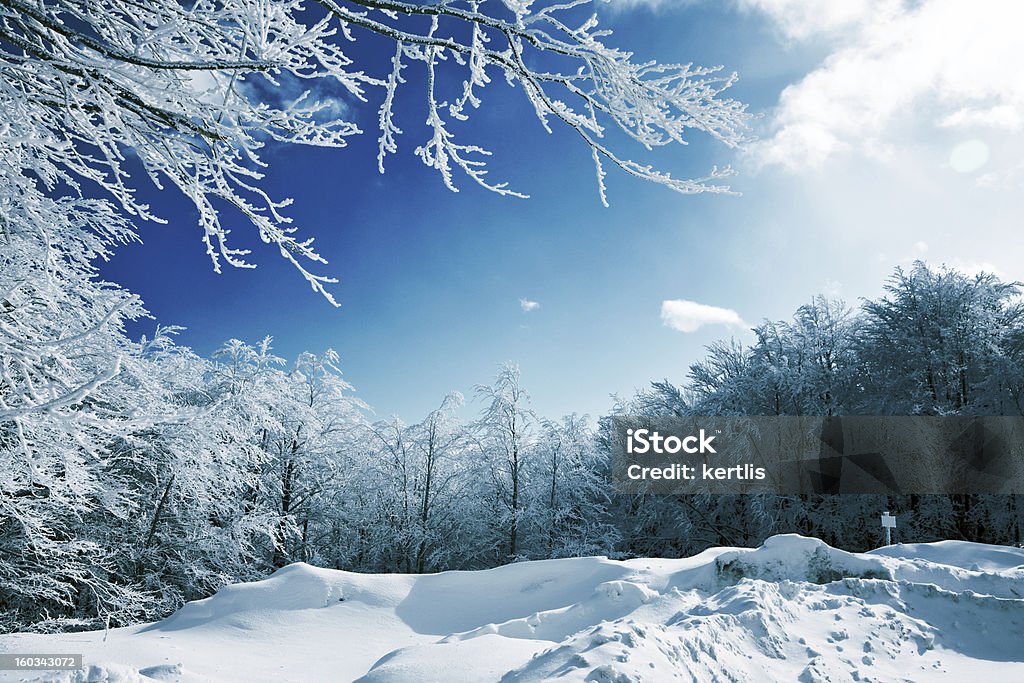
[[171, 475]]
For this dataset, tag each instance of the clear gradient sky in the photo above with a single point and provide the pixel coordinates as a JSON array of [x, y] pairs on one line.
[[887, 131]]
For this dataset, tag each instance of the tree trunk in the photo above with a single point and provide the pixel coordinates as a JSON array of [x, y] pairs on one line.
[[159, 511]]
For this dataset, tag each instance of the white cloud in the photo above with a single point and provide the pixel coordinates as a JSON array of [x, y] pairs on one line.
[[1000, 116], [690, 316], [626, 5], [895, 69], [528, 305], [798, 19], [802, 19]]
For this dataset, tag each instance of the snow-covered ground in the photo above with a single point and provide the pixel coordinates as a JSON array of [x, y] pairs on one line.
[[792, 610]]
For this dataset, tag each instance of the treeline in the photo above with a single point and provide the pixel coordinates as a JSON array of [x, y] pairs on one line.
[[138, 475]]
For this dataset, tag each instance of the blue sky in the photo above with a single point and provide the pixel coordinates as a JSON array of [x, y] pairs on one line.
[[887, 131]]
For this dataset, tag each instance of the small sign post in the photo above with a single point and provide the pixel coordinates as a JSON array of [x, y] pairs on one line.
[[888, 523]]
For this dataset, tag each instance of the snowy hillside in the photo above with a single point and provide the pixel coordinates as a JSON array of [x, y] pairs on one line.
[[792, 610]]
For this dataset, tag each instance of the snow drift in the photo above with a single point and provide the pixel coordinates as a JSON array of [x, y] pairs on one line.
[[793, 609]]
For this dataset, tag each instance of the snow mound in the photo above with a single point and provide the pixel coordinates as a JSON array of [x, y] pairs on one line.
[[793, 609], [298, 586], [791, 557]]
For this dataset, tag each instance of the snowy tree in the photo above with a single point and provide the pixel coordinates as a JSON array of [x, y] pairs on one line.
[[806, 367], [390, 532], [423, 491], [194, 526], [933, 343], [944, 343], [67, 375], [98, 493], [506, 430], [320, 419], [293, 425], [439, 442]]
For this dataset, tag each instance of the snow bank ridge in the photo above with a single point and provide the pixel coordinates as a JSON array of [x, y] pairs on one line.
[[793, 609]]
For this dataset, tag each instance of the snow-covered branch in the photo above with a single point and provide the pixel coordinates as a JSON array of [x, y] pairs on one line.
[[95, 91]]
